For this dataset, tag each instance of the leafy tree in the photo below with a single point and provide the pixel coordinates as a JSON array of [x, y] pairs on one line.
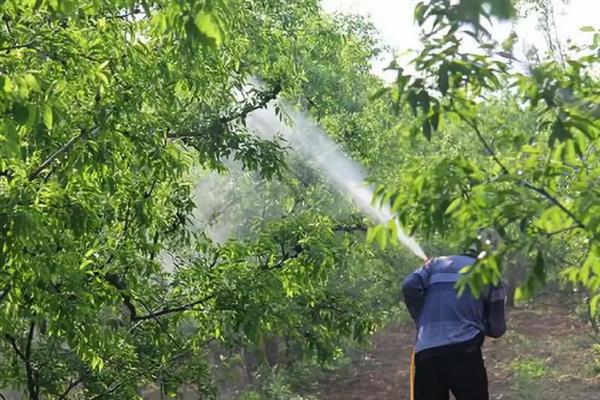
[[510, 150], [108, 108]]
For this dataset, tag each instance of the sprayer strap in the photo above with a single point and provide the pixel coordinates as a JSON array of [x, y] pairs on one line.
[[444, 277]]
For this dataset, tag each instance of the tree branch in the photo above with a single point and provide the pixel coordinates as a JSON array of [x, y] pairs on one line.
[[116, 281], [29, 340], [172, 310], [26, 358], [559, 231], [117, 385], [554, 201], [263, 99], [540, 190], [36, 172], [71, 386], [162, 327], [358, 227], [13, 343], [132, 13], [487, 146], [296, 251], [17, 46], [31, 378]]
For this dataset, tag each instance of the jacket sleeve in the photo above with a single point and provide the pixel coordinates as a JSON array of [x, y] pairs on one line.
[[413, 290], [495, 312]]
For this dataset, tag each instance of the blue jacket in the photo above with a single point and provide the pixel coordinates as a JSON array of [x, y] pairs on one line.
[[441, 316]]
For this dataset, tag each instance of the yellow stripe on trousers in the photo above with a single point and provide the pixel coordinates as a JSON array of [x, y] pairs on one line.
[[412, 375]]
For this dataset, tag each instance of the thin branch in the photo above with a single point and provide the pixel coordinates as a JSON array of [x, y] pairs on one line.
[[13, 343], [31, 378], [172, 310], [215, 259], [125, 16], [29, 340], [526, 184], [142, 371], [7, 26], [164, 329], [558, 232], [116, 281], [108, 391], [71, 386], [358, 227], [26, 358], [297, 250], [17, 46], [264, 99], [487, 146], [554, 201], [59, 152]]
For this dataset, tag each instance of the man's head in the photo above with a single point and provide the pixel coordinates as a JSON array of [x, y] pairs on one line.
[[488, 239]]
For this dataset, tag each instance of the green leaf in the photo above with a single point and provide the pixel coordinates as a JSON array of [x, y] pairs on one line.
[[47, 116], [539, 269], [454, 205], [519, 294], [384, 90], [12, 145], [587, 28], [32, 82], [85, 263], [20, 113], [6, 84], [502, 9], [558, 132], [419, 14], [443, 83], [382, 238], [32, 116], [209, 25], [426, 127], [412, 101], [372, 232], [435, 118], [594, 305]]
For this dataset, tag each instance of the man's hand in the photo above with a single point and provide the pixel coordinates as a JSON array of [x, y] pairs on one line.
[[428, 262]]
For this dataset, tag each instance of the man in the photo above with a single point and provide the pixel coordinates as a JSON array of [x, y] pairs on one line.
[[451, 329]]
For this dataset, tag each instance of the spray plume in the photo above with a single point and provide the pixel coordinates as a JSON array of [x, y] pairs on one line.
[[310, 142]]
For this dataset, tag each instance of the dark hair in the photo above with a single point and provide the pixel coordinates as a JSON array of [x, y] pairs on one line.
[[471, 251]]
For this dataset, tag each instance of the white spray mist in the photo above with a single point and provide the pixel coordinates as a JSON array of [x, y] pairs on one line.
[[310, 142]]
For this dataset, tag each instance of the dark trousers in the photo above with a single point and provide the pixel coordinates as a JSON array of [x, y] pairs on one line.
[[463, 374]]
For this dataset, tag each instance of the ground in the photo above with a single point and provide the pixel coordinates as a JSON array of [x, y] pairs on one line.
[[547, 353]]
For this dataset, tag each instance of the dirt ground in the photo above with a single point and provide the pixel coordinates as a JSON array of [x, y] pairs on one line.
[[546, 354]]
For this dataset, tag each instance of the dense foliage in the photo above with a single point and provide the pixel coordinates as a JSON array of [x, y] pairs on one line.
[[111, 112], [109, 109]]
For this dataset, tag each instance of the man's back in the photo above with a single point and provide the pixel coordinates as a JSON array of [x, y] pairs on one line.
[[443, 318], [447, 318]]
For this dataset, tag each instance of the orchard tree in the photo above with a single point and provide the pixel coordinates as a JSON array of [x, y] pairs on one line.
[[510, 150], [108, 109]]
